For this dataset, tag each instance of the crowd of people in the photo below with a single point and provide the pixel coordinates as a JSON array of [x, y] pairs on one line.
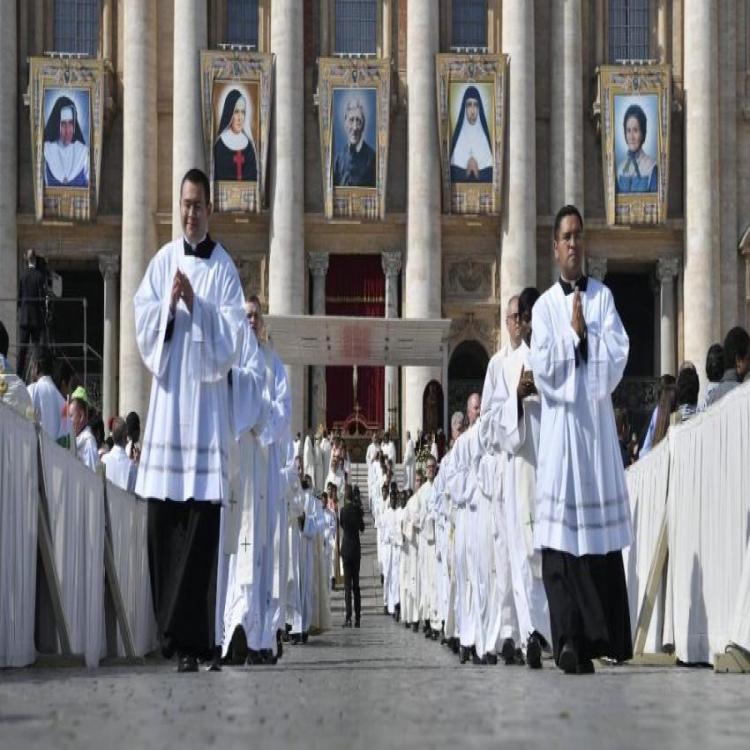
[[504, 542]]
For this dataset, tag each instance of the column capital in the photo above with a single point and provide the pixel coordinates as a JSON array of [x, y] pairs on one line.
[[596, 267], [667, 268], [109, 265], [391, 261], [318, 263]]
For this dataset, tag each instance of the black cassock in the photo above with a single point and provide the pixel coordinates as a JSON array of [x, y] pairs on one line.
[[183, 551], [239, 166]]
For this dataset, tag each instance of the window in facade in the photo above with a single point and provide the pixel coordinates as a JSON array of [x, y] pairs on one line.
[[242, 22], [629, 30], [469, 24], [76, 26], [356, 26]]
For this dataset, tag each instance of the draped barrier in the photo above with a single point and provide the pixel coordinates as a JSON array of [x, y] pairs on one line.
[[75, 501], [647, 483], [128, 522], [56, 512], [19, 493], [701, 474]]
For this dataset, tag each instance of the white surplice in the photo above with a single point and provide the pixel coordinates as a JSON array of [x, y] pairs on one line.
[[49, 407], [310, 532], [410, 611], [515, 432], [185, 443], [308, 460], [119, 469], [410, 458], [86, 448], [582, 501]]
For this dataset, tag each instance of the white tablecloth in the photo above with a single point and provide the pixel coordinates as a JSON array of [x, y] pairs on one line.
[[128, 517], [75, 495], [19, 503], [709, 524], [647, 489]]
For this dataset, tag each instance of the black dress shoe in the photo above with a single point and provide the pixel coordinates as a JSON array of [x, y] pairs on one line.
[[295, 639], [347, 623], [305, 635], [254, 658], [519, 658], [268, 657], [237, 651], [385, 609], [586, 667], [455, 645], [435, 635], [463, 654], [407, 625], [534, 652], [476, 658], [568, 660], [356, 623], [508, 651], [491, 658], [187, 663], [415, 627], [427, 633], [215, 664]]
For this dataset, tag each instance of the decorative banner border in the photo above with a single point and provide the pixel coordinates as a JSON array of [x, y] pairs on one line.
[[344, 73], [80, 76], [241, 67], [616, 80], [464, 197]]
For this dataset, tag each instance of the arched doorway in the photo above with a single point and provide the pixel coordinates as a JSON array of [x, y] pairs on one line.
[[466, 371], [432, 407]]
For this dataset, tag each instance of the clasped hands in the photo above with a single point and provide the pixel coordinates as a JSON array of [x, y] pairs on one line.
[[578, 322], [181, 289]]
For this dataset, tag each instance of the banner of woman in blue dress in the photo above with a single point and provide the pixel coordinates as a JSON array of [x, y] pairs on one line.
[[637, 143], [635, 106]]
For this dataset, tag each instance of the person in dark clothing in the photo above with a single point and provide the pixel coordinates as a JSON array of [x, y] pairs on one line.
[[32, 289], [352, 522]]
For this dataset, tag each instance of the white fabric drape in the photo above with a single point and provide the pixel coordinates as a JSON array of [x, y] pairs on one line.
[[76, 507], [709, 523], [19, 499], [647, 483], [129, 522]]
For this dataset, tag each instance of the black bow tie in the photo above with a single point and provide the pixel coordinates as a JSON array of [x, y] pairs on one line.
[[569, 288], [202, 250]]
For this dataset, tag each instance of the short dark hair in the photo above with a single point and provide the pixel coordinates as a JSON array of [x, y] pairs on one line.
[[688, 386], [715, 363], [634, 110], [65, 372], [119, 431], [4, 340], [44, 360], [527, 299], [568, 210], [197, 177], [736, 344]]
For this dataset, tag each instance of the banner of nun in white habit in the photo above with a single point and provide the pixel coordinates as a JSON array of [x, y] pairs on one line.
[[66, 103], [471, 120], [635, 106], [354, 118], [236, 96]]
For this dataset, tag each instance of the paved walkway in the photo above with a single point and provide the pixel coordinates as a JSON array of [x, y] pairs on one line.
[[380, 686]]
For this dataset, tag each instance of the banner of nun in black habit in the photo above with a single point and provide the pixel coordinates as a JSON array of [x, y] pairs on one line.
[[471, 98], [66, 108], [236, 95]]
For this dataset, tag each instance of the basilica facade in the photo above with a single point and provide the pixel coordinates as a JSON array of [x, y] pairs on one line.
[[399, 158]]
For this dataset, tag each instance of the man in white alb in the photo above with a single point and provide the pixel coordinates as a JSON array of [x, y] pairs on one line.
[[119, 469]]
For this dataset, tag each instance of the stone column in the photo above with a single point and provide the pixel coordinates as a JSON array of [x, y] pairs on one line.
[[566, 116], [190, 36], [286, 278], [702, 314], [728, 224], [662, 31], [318, 264], [8, 166], [518, 258], [391, 268], [596, 267], [422, 271], [109, 265], [666, 273], [139, 189]]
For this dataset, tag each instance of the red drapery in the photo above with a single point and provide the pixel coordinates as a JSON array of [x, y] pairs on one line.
[[355, 285]]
